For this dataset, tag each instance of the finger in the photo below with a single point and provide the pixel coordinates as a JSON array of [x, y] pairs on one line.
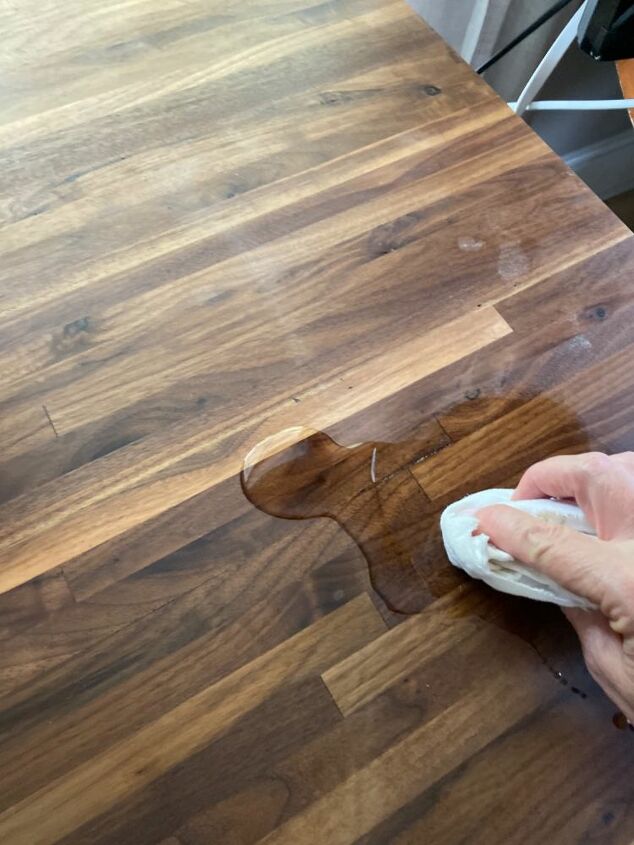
[[596, 637], [602, 486], [578, 562], [603, 654], [625, 459], [561, 477]]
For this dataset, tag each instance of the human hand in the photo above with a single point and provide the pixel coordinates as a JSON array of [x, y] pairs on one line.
[[599, 568]]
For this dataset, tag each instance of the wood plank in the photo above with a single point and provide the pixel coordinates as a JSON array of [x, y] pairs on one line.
[[137, 689], [196, 591], [286, 790], [98, 388], [546, 744], [529, 433], [224, 75], [583, 411], [294, 781], [48, 815], [31, 602], [292, 716], [421, 758], [364, 675], [33, 541], [25, 429], [181, 249], [321, 765], [481, 388], [99, 376]]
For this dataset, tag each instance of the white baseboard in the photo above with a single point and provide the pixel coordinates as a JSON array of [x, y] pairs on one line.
[[607, 166]]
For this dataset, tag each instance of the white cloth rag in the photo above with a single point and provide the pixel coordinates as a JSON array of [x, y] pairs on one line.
[[481, 559]]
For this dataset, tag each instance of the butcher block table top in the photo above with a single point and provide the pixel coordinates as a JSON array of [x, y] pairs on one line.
[[221, 222]]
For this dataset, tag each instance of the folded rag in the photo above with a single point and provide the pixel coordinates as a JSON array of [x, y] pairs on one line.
[[481, 559]]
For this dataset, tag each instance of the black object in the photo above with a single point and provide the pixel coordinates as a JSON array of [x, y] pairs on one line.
[[606, 30], [548, 14]]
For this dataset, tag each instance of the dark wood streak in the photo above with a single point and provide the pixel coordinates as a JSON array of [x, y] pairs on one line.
[[218, 223]]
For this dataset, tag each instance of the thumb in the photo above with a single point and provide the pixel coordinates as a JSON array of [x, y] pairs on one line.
[[576, 561]]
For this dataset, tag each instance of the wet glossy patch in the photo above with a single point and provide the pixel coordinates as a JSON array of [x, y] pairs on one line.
[[366, 488]]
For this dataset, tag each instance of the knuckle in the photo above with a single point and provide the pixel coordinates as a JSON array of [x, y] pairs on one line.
[[620, 597], [595, 463], [541, 541], [624, 460]]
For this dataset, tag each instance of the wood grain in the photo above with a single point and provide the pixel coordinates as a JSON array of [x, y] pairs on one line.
[[47, 815], [625, 70], [137, 492], [365, 674], [394, 778], [218, 223]]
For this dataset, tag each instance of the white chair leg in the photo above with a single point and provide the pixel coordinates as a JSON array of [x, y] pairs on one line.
[[474, 30], [549, 62]]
